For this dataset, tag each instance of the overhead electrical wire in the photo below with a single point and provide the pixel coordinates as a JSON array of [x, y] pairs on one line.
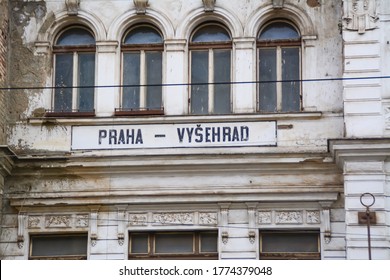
[[196, 84]]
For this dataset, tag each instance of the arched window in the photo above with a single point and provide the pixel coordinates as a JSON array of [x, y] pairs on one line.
[[142, 52], [279, 48], [210, 48], [74, 59]]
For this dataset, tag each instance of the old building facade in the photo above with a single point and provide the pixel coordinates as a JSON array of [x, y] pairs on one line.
[[194, 129]]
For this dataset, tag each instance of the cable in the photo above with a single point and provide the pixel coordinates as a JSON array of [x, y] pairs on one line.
[[199, 84]]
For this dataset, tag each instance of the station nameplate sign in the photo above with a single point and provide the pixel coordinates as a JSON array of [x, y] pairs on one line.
[[183, 135]]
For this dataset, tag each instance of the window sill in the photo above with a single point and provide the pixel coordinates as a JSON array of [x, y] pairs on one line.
[[120, 112], [92, 119], [73, 114]]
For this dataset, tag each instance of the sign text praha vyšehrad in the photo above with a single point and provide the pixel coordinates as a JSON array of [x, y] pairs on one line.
[[174, 135]]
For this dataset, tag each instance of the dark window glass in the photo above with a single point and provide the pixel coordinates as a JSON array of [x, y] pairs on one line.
[[142, 69], [75, 37], [63, 82], [59, 246], [199, 79], [210, 33], [143, 35], [279, 31], [211, 70], [74, 71], [279, 68]]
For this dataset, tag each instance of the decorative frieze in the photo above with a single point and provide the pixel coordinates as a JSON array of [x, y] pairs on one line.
[[208, 218], [58, 221], [299, 217], [264, 217], [34, 222], [173, 218], [360, 15], [313, 217], [289, 217], [82, 221], [138, 219]]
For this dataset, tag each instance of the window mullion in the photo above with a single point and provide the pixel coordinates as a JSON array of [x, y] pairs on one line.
[[75, 89], [143, 89], [279, 64], [211, 81]]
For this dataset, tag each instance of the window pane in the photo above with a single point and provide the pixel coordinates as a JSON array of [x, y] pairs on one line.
[[63, 78], [139, 244], [86, 78], [290, 72], [45, 246], [75, 37], [131, 77], [199, 74], [211, 33], [279, 31], [209, 242], [222, 75], [290, 242], [174, 243], [154, 77], [267, 73], [143, 35]]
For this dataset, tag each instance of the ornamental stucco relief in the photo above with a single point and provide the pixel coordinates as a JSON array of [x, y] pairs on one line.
[[61, 221], [264, 217], [138, 219], [360, 15], [173, 218], [313, 217], [289, 217], [208, 218]]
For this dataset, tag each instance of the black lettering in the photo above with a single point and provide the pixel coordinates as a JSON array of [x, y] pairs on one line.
[[112, 136], [180, 133], [207, 134], [216, 134], [244, 133], [198, 133], [121, 138], [129, 135], [226, 133], [139, 137], [189, 133], [102, 134], [236, 136]]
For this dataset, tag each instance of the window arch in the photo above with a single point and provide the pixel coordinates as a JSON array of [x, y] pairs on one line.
[[142, 55], [210, 60], [279, 67], [74, 70]]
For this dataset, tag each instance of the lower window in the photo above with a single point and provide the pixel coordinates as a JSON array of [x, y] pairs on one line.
[[61, 247], [173, 245], [290, 245]]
